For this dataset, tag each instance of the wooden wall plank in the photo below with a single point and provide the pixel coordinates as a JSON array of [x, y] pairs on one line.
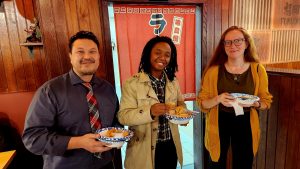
[[39, 61], [298, 160], [21, 16], [156, 2], [283, 122], [71, 17], [6, 55], [292, 146], [261, 154], [274, 83], [15, 46], [61, 34], [93, 7], [210, 31], [225, 15], [108, 72], [47, 21], [3, 81], [293, 128], [287, 65], [230, 11], [96, 29], [296, 103], [218, 22], [39, 67], [83, 15]]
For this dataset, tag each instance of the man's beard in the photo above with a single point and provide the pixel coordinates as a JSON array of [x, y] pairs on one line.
[[85, 73], [88, 72]]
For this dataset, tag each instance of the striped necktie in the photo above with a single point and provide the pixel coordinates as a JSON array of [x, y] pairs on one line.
[[93, 108]]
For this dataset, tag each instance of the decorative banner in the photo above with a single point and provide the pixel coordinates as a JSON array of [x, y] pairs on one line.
[[286, 14], [137, 24]]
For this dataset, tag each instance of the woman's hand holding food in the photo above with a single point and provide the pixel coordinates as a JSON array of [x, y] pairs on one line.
[[159, 109]]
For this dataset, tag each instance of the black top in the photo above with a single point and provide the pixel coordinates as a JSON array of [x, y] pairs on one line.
[[234, 83]]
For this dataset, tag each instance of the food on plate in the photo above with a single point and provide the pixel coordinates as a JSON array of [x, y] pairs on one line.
[[171, 105], [180, 111], [245, 97], [112, 132]]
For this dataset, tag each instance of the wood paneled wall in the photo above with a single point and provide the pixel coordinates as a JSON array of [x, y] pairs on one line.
[[275, 44], [58, 21], [280, 146], [287, 65], [18, 70]]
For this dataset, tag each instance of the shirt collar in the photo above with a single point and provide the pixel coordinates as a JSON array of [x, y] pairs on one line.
[[156, 80], [75, 79]]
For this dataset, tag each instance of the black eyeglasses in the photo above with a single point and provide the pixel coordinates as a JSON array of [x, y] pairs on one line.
[[236, 42]]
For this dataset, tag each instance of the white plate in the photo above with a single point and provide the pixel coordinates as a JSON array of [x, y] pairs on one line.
[[245, 98], [117, 140]]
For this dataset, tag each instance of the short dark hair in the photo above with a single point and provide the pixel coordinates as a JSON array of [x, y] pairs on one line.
[[83, 35], [145, 64]]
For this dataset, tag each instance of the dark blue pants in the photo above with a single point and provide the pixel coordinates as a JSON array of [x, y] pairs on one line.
[[234, 131]]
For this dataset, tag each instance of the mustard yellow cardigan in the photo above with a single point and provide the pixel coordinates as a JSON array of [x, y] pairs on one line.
[[209, 90]]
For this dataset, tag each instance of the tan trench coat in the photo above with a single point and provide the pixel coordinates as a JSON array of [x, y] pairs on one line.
[[137, 98]]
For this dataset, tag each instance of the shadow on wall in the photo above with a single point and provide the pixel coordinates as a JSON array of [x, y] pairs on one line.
[[10, 139]]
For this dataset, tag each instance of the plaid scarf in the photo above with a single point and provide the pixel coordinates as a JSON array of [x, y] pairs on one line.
[[164, 131]]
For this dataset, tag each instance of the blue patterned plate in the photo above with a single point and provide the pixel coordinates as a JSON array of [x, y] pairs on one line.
[[114, 136], [245, 98], [179, 119]]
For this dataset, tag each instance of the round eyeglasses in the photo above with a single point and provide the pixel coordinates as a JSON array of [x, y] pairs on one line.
[[236, 42]]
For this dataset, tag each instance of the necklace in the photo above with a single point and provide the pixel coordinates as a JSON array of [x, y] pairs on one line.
[[236, 77], [236, 72]]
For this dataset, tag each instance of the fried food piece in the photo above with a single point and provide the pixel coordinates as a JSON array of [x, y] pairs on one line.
[[182, 112], [111, 132], [171, 105], [185, 114], [125, 133], [172, 112], [118, 131]]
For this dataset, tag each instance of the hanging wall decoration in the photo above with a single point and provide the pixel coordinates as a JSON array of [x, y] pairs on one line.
[[34, 37]]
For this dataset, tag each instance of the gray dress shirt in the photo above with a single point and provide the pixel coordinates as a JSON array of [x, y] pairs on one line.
[[58, 111]]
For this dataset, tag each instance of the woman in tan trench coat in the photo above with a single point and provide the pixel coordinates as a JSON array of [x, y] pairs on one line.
[[156, 142]]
